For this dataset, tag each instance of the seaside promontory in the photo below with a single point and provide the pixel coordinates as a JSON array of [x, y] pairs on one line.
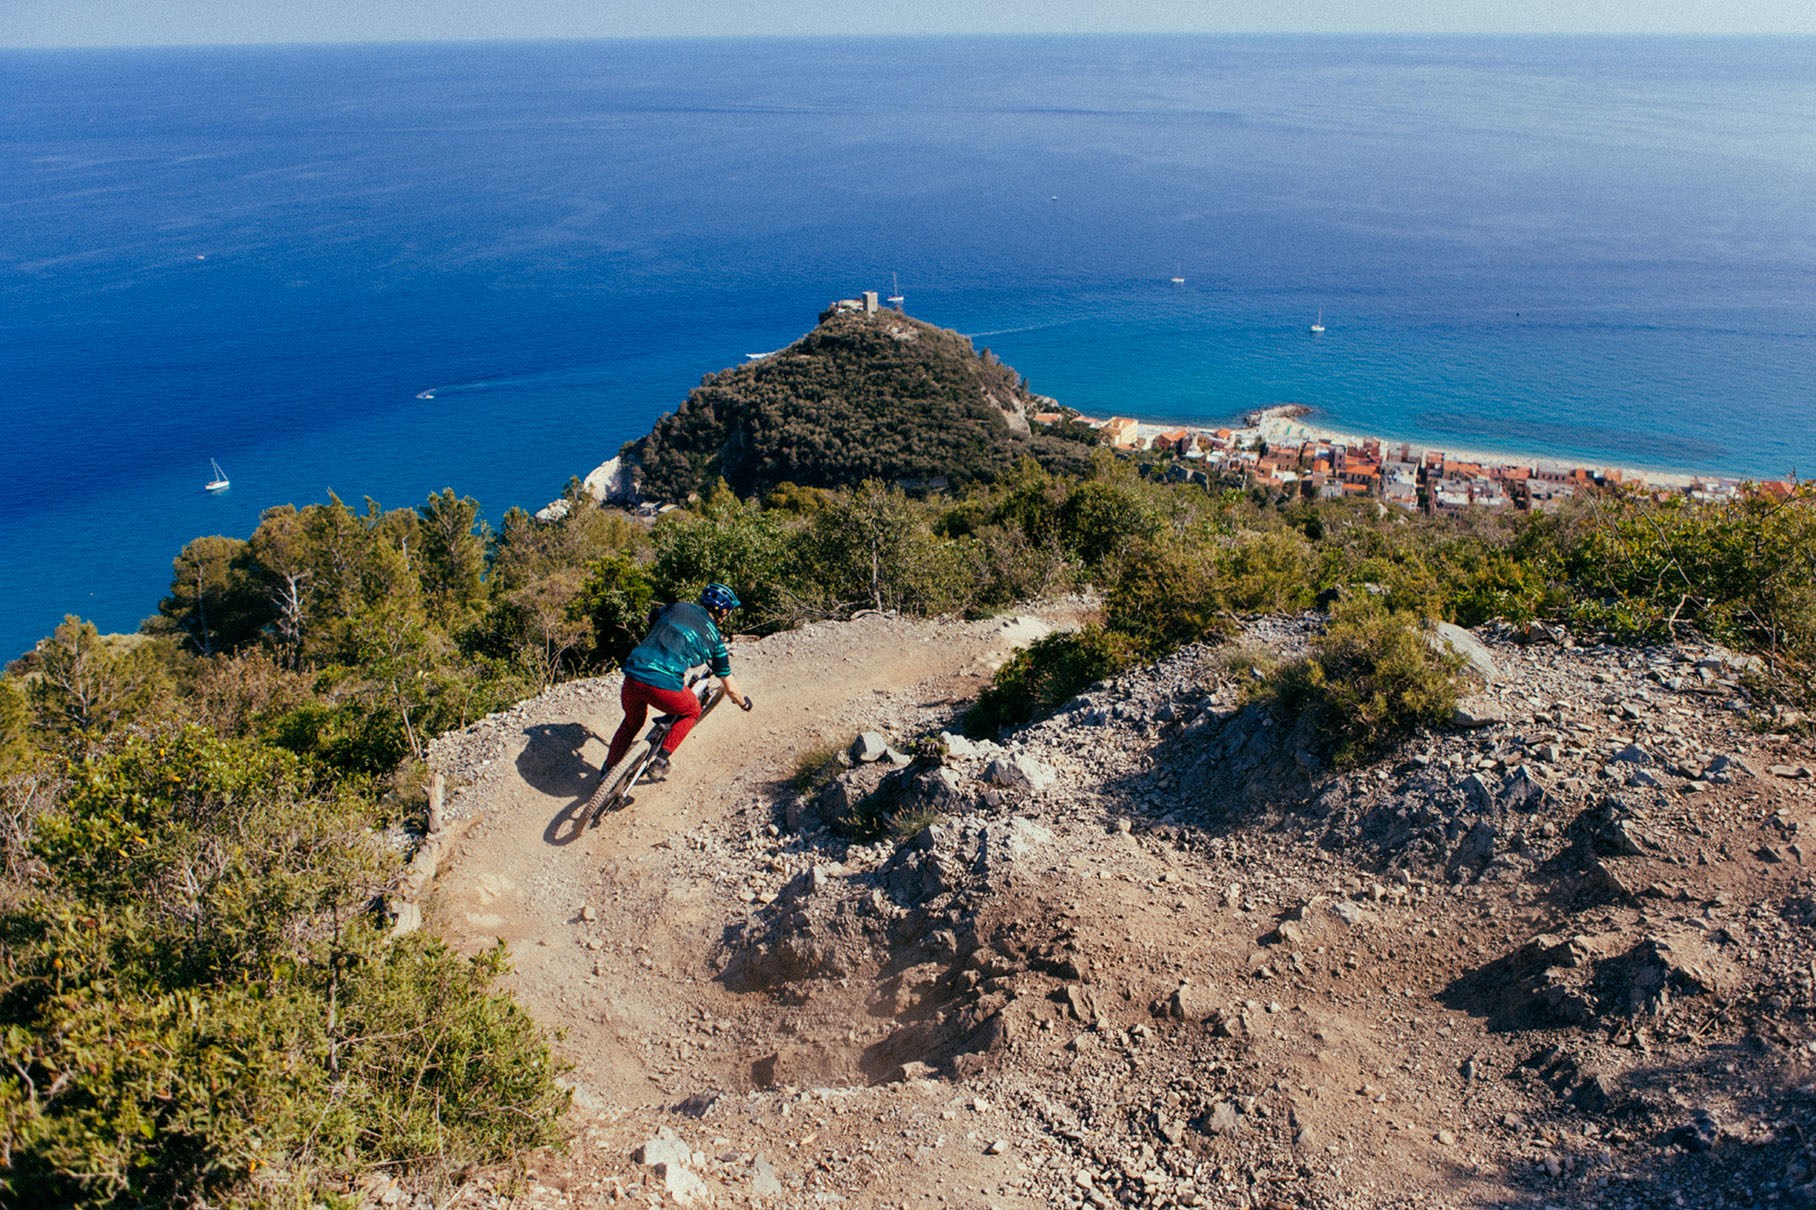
[[868, 394]]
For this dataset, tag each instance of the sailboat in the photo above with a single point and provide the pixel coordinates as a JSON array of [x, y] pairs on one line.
[[895, 293], [1318, 327], [219, 483], [1178, 275]]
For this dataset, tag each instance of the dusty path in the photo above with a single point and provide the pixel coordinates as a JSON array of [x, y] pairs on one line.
[[612, 932]]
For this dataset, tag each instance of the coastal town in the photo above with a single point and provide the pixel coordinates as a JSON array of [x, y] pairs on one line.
[[1275, 449]]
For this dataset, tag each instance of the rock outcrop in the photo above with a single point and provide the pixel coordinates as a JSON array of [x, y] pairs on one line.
[[1152, 951]]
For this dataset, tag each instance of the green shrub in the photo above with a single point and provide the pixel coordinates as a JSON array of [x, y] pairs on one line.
[[814, 767], [1503, 585], [1006, 566], [124, 1091], [197, 1007], [1027, 499], [905, 825], [84, 684], [1165, 599], [734, 542], [1195, 590], [347, 738], [224, 845], [1371, 679], [793, 498], [1045, 675], [615, 603], [441, 1067], [1267, 571], [1104, 517], [874, 548], [122, 1094], [1741, 572], [15, 724]]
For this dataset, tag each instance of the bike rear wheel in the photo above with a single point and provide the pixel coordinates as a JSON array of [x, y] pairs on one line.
[[615, 783]]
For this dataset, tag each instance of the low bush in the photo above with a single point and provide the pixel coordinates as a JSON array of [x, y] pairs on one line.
[[1251, 665], [1045, 675], [814, 767], [347, 738], [1371, 679], [906, 824], [1741, 572], [1196, 591], [197, 1006], [1165, 599], [614, 603]]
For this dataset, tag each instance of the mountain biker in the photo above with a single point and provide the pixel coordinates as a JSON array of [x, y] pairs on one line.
[[683, 636]]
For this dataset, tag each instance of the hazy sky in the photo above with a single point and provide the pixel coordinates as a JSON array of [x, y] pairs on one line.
[[144, 22]]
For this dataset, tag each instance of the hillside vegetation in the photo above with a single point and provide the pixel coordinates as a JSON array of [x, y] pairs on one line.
[[878, 396], [199, 1003]]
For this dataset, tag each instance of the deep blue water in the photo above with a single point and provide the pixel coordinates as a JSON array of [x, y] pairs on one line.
[[1600, 248]]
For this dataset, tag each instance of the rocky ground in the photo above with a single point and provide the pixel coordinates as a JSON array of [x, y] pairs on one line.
[[1151, 952]]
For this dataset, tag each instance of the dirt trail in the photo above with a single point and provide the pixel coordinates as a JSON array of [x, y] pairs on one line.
[[629, 984]]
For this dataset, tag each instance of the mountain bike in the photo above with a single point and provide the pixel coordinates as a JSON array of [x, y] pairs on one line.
[[615, 784]]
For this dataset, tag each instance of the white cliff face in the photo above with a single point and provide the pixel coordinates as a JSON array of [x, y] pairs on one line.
[[611, 483], [1015, 414]]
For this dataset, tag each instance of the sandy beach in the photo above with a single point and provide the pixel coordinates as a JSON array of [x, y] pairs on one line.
[[1290, 424], [1286, 424]]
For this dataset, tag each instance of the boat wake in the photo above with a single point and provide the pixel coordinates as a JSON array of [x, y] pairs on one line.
[[508, 382], [1028, 328]]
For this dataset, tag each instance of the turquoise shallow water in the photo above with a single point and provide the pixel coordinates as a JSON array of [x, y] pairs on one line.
[[1600, 249]]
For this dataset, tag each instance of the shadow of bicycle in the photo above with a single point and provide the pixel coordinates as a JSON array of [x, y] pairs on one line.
[[554, 762]]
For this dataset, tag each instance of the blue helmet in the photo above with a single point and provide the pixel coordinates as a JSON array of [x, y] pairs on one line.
[[719, 598]]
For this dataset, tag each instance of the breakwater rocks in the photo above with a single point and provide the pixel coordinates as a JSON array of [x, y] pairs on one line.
[[1277, 411]]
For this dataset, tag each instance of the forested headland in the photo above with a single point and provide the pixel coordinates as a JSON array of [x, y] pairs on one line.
[[863, 396], [199, 997]]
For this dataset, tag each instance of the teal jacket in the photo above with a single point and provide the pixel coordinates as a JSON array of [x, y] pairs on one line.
[[684, 637]]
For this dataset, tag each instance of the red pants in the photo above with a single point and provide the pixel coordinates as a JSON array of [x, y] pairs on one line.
[[637, 699]]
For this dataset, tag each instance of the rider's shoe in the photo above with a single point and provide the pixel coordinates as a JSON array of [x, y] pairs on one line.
[[658, 768]]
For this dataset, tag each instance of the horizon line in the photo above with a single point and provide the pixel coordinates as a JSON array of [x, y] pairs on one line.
[[904, 35]]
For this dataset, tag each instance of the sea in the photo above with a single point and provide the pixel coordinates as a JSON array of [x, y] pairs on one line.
[[382, 270]]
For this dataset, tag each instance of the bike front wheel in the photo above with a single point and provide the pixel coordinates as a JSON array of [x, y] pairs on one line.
[[615, 783]]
